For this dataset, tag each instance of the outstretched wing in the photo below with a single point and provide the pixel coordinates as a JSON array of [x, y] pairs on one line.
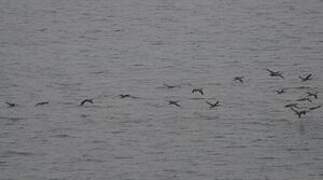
[[269, 70], [207, 102], [280, 75], [295, 111], [308, 77], [315, 107]]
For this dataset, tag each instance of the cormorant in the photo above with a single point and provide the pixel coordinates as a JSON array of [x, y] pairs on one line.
[[238, 78], [295, 105], [213, 105], [122, 96], [275, 73], [42, 103], [200, 90], [11, 104], [299, 113], [315, 107], [306, 78], [304, 99], [86, 101], [314, 94], [170, 102]]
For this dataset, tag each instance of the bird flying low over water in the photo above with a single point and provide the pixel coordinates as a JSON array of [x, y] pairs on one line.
[[238, 78], [86, 101], [42, 103], [315, 107], [122, 96], [304, 99], [175, 103], [292, 105], [275, 73], [10, 104], [199, 90], [299, 113], [213, 105], [306, 78], [314, 94]]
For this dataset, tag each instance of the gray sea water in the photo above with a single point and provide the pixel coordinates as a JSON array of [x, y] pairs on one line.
[[64, 51]]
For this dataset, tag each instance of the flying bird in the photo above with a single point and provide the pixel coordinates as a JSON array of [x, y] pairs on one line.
[[314, 108], [199, 90], [213, 105], [238, 78], [304, 99], [306, 78], [314, 94], [292, 105], [122, 96], [175, 103], [11, 104], [275, 73], [86, 101], [42, 103], [299, 113]]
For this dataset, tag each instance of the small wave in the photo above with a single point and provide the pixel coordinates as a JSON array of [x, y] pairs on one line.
[[63, 136]]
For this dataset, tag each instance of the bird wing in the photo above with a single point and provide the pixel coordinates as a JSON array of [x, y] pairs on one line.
[[269, 70], [86, 100], [315, 107], [308, 77], [209, 103], [294, 110]]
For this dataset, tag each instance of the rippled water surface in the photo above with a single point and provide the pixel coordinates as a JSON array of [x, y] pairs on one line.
[[64, 51]]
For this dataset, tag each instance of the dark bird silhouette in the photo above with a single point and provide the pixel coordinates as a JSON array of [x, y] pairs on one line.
[[299, 113], [292, 105], [304, 99], [213, 105], [122, 96], [306, 78], [238, 78], [170, 102], [314, 94], [42, 103], [275, 73], [11, 104], [86, 101], [200, 90], [170, 86], [280, 91], [314, 108]]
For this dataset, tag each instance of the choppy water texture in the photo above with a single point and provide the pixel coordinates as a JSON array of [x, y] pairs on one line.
[[64, 51]]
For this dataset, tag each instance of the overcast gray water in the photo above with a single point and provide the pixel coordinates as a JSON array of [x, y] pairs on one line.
[[64, 51]]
